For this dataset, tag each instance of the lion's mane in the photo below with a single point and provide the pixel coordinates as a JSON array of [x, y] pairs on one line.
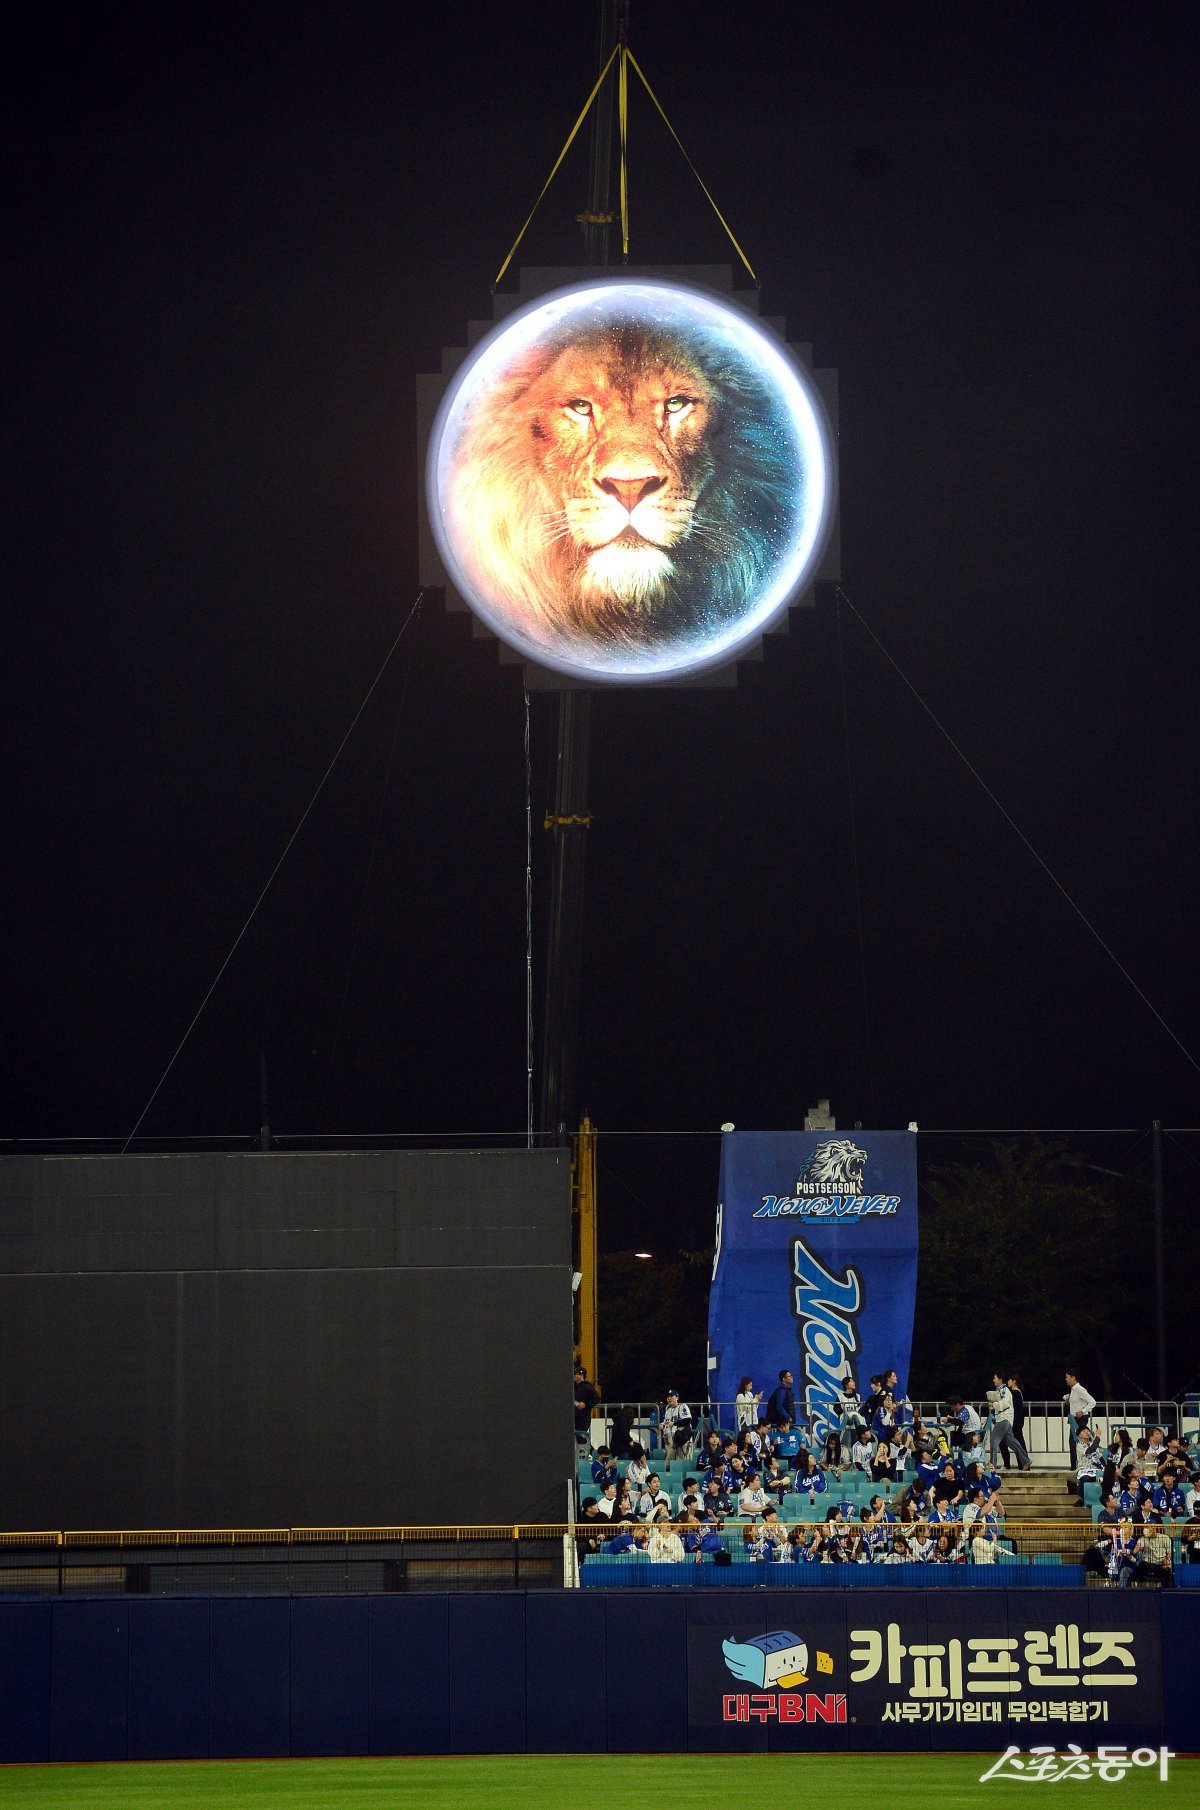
[[836, 1161], [745, 516]]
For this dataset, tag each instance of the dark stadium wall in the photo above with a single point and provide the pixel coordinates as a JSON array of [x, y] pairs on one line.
[[285, 1340], [539, 1672]]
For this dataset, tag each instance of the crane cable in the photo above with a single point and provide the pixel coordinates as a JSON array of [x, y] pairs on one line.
[[625, 60]]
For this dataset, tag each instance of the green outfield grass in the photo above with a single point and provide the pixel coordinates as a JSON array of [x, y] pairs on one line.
[[552, 1782]]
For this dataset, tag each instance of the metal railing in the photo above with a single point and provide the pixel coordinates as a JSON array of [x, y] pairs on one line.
[[285, 1561], [360, 1561], [1047, 1429]]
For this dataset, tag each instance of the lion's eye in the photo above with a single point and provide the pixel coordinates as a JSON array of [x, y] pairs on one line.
[[678, 405], [580, 407]]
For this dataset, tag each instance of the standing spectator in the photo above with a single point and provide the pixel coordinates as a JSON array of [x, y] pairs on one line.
[[1004, 1437], [1079, 1405], [782, 1405], [1018, 1424], [586, 1398], [677, 1426], [850, 1418], [745, 1404]]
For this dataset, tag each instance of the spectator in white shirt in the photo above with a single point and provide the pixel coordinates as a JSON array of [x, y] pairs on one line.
[[653, 1497], [608, 1501], [1003, 1438], [1079, 1405], [862, 1452], [753, 1498], [677, 1426], [745, 1404], [664, 1544], [691, 1487]]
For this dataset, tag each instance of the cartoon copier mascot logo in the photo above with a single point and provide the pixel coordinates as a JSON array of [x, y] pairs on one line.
[[774, 1666]]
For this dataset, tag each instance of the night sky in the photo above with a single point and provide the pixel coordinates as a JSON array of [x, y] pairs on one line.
[[236, 235]]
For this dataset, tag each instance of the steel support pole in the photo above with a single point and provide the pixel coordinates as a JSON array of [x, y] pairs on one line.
[[1160, 1301], [567, 819]]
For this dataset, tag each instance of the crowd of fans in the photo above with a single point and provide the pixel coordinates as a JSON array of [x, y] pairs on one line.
[[948, 1508]]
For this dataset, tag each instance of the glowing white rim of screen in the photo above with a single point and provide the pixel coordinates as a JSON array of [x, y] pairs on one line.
[[517, 331]]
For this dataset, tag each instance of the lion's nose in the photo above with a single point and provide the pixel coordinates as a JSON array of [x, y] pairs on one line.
[[629, 492]]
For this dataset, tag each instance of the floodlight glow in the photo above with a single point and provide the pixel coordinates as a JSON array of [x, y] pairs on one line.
[[629, 480]]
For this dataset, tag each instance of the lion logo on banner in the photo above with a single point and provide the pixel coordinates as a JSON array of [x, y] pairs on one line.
[[624, 489], [836, 1164]]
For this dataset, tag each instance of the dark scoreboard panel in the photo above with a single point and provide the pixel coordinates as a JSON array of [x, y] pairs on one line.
[[285, 1340]]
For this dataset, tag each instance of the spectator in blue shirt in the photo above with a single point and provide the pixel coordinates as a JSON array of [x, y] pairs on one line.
[[788, 1443], [810, 1478], [782, 1405], [622, 1541], [604, 1467], [1168, 1499], [929, 1470]]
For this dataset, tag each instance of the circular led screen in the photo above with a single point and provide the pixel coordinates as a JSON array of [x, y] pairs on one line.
[[629, 480]]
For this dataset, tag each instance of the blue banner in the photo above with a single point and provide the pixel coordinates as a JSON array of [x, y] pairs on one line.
[[816, 1264]]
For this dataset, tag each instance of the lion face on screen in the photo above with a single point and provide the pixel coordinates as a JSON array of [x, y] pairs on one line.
[[626, 487], [837, 1163]]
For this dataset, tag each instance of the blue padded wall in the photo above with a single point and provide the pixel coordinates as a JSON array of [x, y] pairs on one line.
[[89, 1680], [329, 1675], [487, 1673], [409, 1674], [642, 1670], [250, 1715], [24, 1681], [168, 1679], [646, 1674], [1181, 1692], [565, 1647]]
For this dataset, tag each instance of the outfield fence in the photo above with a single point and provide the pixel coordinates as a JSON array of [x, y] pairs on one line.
[[353, 1561]]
